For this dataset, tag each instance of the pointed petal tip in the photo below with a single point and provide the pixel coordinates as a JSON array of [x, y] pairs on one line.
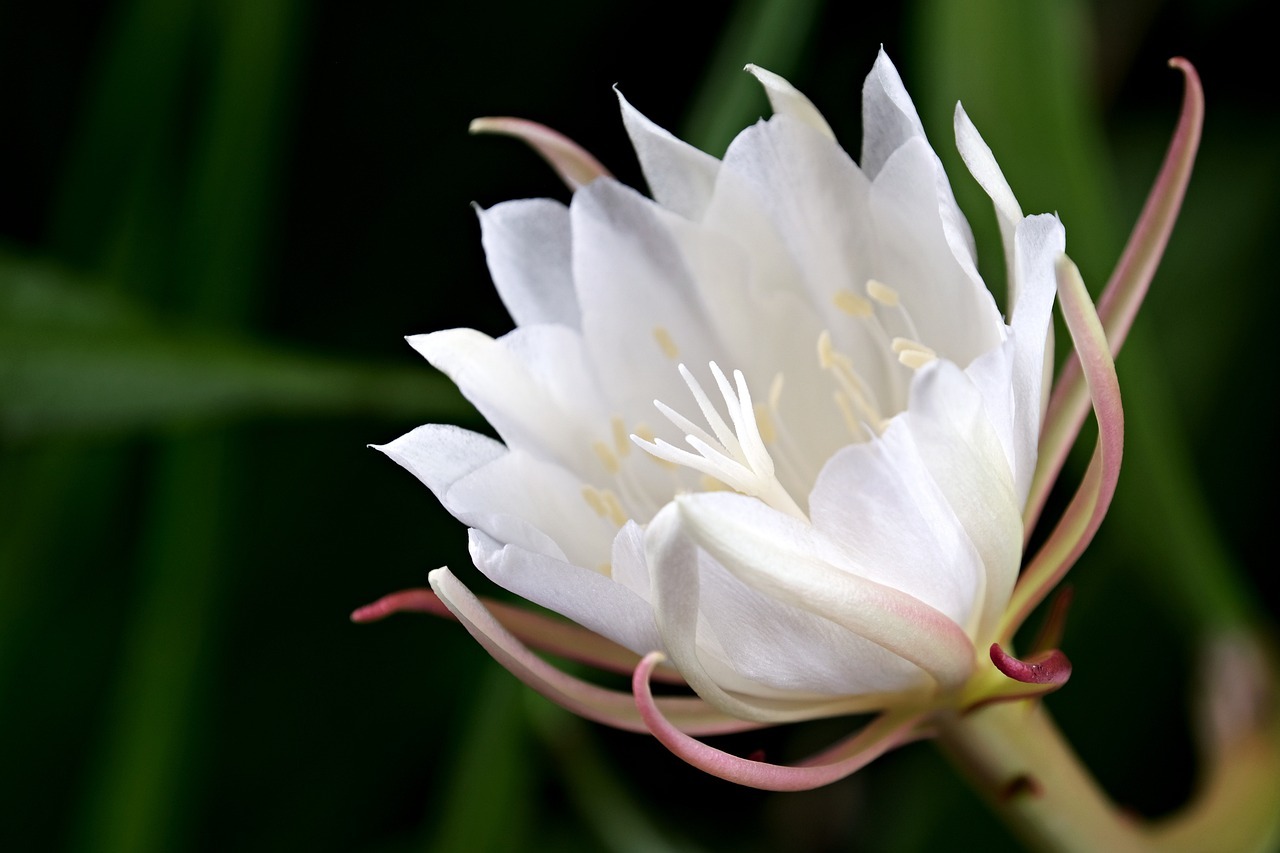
[[575, 166], [404, 601]]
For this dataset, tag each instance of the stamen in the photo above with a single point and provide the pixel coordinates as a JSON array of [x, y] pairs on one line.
[[764, 420], [737, 458], [858, 398], [882, 293], [621, 445], [666, 343], [913, 353], [853, 304], [605, 504], [606, 456]]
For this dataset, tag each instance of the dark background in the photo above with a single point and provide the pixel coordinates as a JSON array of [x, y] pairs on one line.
[[244, 206]]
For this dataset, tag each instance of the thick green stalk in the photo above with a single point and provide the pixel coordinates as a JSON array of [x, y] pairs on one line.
[[1016, 758]]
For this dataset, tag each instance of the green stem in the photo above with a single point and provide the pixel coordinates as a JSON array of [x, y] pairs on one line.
[[1017, 759]]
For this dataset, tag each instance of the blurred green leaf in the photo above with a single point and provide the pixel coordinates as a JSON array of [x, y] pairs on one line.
[[770, 33], [80, 359], [488, 807]]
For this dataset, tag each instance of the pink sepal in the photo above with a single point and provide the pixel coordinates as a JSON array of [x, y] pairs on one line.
[[544, 633], [575, 166], [1083, 516], [1123, 295], [611, 707], [876, 738]]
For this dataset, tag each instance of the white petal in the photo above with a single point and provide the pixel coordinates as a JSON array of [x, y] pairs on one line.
[[680, 177], [536, 505], [641, 315], [889, 118], [791, 563], [439, 454], [787, 100], [592, 600], [679, 610], [961, 450], [531, 386], [890, 121], [526, 244], [880, 502], [1038, 243], [986, 171], [953, 310]]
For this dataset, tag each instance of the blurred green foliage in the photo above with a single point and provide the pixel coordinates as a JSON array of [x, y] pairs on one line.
[[220, 216]]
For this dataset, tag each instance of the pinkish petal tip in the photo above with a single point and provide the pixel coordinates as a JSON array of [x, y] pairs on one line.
[[407, 600], [1051, 667]]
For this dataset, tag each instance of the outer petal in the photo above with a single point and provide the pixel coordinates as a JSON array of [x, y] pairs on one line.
[[680, 176], [531, 386], [640, 312], [889, 121], [677, 604], [916, 253], [880, 502], [787, 100], [439, 455], [784, 558], [610, 707], [526, 244], [986, 171], [1038, 242], [962, 452], [588, 598]]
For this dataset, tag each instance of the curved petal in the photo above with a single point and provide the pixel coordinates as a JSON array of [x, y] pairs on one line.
[[589, 598], [575, 166], [878, 737], [880, 501], [918, 253], [440, 454], [1038, 242], [674, 561], [532, 386], [986, 171], [611, 707], [781, 557], [526, 245], [1084, 514], [961, 451]]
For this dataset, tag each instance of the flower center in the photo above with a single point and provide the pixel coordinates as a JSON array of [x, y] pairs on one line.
[[734, 456]]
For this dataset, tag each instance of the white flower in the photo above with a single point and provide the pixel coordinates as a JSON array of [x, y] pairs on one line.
[[769, 424]]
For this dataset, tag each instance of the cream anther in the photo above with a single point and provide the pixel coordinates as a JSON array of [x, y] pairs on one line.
[[882, 293]]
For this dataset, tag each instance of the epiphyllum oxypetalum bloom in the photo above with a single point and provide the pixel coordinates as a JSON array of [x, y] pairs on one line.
[[771, 427]]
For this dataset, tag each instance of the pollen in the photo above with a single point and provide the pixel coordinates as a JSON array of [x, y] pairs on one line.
[[764, 421], [665, 342], [882, 293], [913, 353], [606, 456], [853, 304], [605, 504], [621, 444]]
